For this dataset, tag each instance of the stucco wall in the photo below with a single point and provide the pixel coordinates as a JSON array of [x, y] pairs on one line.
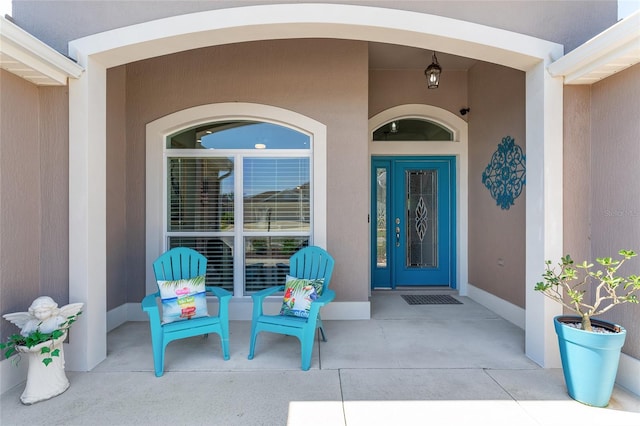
[[496, 236], [615, 201], [34, 255], [323, 79], [568, 22], [577, 169], [54, 192], [389, 88]]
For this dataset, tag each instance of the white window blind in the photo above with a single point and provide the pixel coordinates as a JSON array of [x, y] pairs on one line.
[[276, 194], [200, 194]]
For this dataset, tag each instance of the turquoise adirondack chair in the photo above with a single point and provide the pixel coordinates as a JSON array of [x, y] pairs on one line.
[[309, 263], [176, 264]]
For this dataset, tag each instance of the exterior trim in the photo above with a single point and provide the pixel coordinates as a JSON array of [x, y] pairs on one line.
[[24, 55], [507, 310], [350, 22], [629, 373], [611, 51]]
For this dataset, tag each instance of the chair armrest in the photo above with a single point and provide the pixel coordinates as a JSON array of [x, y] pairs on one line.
[[150, 306], [224, 296], [327, 296], [259, 296], [149, 302], [219, 292]]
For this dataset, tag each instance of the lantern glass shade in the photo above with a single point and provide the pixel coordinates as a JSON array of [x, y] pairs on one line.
[[433, 73]]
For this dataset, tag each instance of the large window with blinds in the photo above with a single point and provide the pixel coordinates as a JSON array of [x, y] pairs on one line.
[[239, 192]]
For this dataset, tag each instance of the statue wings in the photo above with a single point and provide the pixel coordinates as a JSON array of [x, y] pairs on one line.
[[20, 319], [28, 323], [71, 309]]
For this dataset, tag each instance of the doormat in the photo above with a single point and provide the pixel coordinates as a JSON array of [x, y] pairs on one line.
[[430, 299]]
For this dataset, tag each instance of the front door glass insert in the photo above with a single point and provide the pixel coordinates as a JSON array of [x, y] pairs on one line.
[[421, 218], [381, 217]]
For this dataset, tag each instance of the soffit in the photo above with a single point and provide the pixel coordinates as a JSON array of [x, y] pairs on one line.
[[383, 56], [611, 51], [26, 56]]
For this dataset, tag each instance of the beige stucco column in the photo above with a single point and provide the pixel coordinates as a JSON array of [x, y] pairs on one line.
[[87, 214], [544, 208]]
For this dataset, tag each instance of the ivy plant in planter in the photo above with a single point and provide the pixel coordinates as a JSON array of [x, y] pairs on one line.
[[589, 348], [43, 330], [12, 346]]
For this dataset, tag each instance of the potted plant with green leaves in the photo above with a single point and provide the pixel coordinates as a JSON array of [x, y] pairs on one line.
[[43, 330], [589, 348]]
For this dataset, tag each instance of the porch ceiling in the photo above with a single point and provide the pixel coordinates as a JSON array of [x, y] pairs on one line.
[[396, 57]]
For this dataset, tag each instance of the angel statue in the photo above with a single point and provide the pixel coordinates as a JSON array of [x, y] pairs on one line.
[[43, 315], [46, 377]]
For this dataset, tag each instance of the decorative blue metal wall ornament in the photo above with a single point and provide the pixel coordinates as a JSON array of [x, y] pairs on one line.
[[504, 176]]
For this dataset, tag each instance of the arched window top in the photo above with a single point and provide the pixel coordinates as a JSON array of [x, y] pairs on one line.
[[239, 134], [412, 129]]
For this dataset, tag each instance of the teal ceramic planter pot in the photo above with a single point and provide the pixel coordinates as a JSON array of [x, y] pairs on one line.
[[589, 360]]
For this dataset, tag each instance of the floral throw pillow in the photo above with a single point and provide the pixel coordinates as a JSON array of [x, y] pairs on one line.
[[183, 299], [298, 295]]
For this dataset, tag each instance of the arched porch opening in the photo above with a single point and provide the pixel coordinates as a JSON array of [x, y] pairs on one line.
[[97, 53]]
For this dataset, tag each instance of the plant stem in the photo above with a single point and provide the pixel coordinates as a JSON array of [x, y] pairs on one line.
[[586, 323]]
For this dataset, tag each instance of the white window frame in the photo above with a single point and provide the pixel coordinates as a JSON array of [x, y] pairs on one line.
[[156, 158]]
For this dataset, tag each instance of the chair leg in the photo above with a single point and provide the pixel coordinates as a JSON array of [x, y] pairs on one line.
[[158, 360], [319, 325], [306, 349], [225, 347], [324, 339], [252, 345], [157, 346], [224, 339]]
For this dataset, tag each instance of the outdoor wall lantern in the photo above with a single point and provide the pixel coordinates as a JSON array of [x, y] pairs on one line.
[[433, 73]]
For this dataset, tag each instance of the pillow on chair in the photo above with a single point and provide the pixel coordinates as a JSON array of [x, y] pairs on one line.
[[183, 299], [298, 295]]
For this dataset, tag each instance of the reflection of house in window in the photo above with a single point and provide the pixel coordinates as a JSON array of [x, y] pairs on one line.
[[278, 210], [196, 198]]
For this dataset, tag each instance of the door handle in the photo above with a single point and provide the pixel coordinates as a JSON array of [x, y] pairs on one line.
[[397, 232]]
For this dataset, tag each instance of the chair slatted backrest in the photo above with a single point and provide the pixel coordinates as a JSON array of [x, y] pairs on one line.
[[179, 263], [312, 263]]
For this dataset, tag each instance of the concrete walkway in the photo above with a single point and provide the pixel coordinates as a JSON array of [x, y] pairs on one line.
[[421, 364]]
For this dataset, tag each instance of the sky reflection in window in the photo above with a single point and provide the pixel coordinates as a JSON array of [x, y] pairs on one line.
[[253, 135]]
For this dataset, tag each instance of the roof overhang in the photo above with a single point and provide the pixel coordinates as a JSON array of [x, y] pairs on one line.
[[615, 49], [26, 56]]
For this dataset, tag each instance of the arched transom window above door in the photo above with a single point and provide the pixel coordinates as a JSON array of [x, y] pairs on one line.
[[412, 129]]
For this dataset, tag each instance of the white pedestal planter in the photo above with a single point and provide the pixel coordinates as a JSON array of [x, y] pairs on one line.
[[44, 381]]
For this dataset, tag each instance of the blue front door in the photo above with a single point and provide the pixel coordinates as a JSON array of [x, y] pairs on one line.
[[413, 226]]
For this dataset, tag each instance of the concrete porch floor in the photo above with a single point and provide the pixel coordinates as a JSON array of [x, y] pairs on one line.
[[420, 364]]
